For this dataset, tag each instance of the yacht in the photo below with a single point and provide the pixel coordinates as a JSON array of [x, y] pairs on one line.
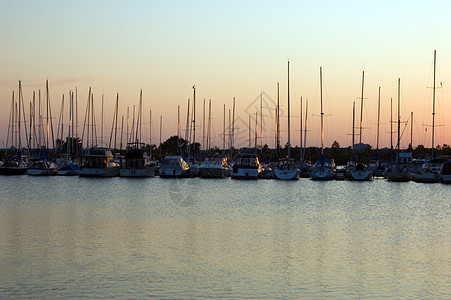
[[445, 174], [135, 163], [246, 166], [42, 167], [286, 170], [174, 166], [214, 167], [98, 162]]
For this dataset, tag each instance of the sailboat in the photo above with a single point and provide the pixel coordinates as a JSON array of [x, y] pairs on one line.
[[70, 167], [429, 171], [14, 163], [358, 170], [286, 169], [135, 163], [323, 169], [42, 165], [400, 170]]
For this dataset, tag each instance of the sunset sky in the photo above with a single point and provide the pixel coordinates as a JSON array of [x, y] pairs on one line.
[[234, 49]]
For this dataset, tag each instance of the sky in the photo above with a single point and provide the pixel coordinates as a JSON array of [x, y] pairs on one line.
[[238, 49]]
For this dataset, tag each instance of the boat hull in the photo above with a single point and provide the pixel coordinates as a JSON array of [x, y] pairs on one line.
[[12, 171], [426, 177], [286, 174], [360, 175], [212, 172], [244, 173], [42, 172], [99, 172], [145, 172], [398, 176]]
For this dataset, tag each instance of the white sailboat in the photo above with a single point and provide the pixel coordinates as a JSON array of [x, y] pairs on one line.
[[429, 171], [323, 169], [358, 170], [286, 169]]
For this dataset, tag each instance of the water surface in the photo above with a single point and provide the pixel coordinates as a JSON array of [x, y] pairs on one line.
[[195, 238]]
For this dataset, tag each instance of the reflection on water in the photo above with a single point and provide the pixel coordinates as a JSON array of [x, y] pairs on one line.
[[81, 237]]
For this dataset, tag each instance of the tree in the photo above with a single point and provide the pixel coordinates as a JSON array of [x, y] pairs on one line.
[[335, 145]]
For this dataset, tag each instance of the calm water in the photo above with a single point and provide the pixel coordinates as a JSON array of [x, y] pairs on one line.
[[193, 238]]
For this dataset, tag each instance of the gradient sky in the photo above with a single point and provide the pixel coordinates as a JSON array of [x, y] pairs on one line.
[[234, 49]]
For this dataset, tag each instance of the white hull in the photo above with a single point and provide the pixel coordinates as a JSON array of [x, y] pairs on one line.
[[244, 173], [286, 174], [146, 172]]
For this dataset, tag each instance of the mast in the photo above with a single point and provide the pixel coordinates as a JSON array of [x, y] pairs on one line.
[[249, 134], [122, 131], [305, 130], [233, 127], [150, 132], [399, 114], [361, 113], [101, 125], [223, 130], [300, 132], [128, 124], [353, 130], [256, 133], [322, 114], [261, 124], [411, 129], [230, 136], [209, 126], [391, 129], [18, 124], [178, 129], [47, 104], [433, 109], [378, 121], [161, 125], [203, 127], [194, 122], [288, 144], [277, 124]]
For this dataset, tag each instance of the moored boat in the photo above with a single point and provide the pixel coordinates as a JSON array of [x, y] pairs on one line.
[[98, 162], [246, 166]]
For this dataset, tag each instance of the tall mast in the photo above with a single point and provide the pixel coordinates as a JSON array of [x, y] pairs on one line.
[[76, 113], [433, 109], [150, 132], [353, 129], [305, 130], [230, 136], [411, 129], [378, 120], [122, 132], [128, 124], [277, 124], [399, 114], [261, 123], [209, 126], [391, 129], [289, 145], [178, 129], [233, 127], [361, 113], [300, 132], [161, 125], [223, 130], [101, 125], [140, 114], [47, 104], [322, 114], [249, 134], [203, 127], [256, 132], [194, 122], [18, 124]]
